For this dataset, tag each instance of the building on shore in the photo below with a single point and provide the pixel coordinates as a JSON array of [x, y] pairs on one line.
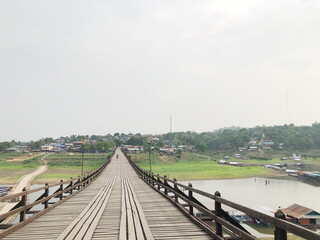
[[302, 215]]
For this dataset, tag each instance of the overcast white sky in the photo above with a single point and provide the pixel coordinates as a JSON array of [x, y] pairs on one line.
[[105, 66]]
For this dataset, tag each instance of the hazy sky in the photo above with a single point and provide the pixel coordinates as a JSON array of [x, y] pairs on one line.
[[105, 66]]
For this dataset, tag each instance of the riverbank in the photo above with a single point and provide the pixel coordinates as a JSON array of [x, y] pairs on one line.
[[201, 167], [191, 166]]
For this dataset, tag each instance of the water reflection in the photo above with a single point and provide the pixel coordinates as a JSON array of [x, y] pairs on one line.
[[252, 192]]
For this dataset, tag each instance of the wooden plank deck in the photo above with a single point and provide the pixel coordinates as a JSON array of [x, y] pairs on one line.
[[118, 205]]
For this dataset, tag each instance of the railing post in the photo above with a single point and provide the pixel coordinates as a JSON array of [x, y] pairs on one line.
[[165, 185], [152, 178], [217, 206], [23, 203], [71, 185], [190, 195], [83, 180], [280, 234], [61, 189], [46, 194], [78, 182], [175, 190], [158, 182]]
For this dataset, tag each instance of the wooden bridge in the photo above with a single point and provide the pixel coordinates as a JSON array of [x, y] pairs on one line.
[[121, 201]]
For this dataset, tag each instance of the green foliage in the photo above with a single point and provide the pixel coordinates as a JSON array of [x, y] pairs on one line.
[[4, 146], [135, 140], [179, 153], [100, 146], [292, 137], [117, 142]]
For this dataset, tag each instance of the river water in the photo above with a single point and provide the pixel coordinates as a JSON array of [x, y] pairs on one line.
[[253, 192]]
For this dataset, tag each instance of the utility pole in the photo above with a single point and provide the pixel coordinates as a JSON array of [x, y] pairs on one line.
[[149, 142], [102, 156], [82, 159]]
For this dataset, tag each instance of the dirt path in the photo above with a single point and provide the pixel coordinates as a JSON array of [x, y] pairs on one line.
[[27, 179], [24, 181]]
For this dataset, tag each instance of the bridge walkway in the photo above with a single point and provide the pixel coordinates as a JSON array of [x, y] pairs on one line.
[[117, 205]]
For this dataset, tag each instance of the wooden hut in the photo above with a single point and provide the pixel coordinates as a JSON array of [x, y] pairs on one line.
[[302, 215]]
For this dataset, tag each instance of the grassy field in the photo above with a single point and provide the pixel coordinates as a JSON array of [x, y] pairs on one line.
[[191, 166], [60, 166], [12, 166], [194, 166], [67, 165], [11, 155]]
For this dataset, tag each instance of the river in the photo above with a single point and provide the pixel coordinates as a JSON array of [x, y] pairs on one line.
[[253, 192]]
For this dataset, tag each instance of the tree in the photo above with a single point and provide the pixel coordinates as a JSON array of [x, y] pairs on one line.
[[179, 153], [4, 146]]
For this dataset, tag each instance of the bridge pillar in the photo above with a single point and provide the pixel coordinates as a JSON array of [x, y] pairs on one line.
[[280, 234], [217, 206]]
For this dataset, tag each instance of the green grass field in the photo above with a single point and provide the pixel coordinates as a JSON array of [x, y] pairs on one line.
[[13, 166], [74, 160], [8, 155], [60, 166], [194, 166], [7, 164], [67, 165], [191, 166]]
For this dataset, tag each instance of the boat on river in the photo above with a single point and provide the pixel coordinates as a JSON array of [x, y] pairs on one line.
[[4, 190]]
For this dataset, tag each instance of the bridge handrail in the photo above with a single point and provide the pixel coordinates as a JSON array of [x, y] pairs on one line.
[[74, 186], [146, 176], [23, 193], [282, 226]]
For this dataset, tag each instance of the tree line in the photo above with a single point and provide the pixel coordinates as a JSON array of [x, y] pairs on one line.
[[287, 137]]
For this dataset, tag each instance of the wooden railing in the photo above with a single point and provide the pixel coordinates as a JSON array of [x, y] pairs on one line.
[[64, 190], [224, 224]]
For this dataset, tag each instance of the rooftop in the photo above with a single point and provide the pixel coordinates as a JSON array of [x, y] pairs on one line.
[[298, 211]]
